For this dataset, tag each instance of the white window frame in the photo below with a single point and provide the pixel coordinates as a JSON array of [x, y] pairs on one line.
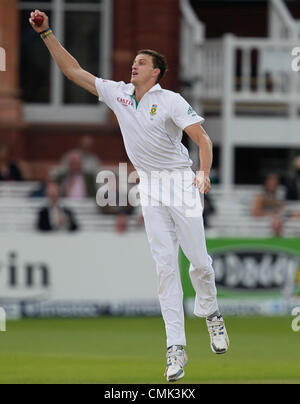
[[56, 110]]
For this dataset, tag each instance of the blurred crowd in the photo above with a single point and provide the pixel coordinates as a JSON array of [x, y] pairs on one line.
[[271, 203], [74, 177]]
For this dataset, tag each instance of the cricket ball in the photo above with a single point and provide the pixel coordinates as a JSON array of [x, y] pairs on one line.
[[38, 20]]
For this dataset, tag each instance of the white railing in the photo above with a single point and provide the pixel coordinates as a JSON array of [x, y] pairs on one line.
[[281, 23], [257, 70], [192, 38], [212, 66], [243, 72], [242, 76], [260, 68]]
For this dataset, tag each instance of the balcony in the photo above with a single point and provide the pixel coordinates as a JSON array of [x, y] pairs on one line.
[[248, 88]]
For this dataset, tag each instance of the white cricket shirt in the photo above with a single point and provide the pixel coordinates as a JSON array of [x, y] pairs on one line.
[[152, 130]]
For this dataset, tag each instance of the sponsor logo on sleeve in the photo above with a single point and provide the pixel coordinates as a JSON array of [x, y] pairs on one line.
[[191, 112]]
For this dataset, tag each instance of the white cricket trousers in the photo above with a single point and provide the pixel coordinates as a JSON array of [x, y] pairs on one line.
[[169, 226]]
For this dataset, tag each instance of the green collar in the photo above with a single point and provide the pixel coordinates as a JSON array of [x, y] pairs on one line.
[[136, 103]]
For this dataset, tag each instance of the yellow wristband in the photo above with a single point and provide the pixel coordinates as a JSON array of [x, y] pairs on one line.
[[45, 35]]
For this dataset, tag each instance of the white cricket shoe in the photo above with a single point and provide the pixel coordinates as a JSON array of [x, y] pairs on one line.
[[219, 341], [176, 361]]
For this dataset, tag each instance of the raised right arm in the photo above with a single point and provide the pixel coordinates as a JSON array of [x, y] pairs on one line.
[[66, 62]]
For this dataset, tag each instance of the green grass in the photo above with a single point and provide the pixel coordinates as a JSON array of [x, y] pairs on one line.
[[132, 350]]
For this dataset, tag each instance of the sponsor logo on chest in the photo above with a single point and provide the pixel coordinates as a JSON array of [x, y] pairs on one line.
[[125, 102]]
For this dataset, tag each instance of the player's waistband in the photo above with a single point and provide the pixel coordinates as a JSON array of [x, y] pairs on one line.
[[180, 178], [182, 172]]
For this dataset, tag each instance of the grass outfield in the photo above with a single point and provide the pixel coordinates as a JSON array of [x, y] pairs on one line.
[[132, 350]]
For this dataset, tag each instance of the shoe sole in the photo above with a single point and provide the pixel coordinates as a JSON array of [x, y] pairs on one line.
[[179, 375]]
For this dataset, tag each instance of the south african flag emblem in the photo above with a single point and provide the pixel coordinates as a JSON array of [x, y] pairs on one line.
[[153, 110]]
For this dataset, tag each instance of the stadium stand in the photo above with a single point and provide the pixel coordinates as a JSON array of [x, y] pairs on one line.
[[232, 217]]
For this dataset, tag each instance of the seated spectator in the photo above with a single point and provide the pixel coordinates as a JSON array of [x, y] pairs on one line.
[[77, 183], [114, 205], [268, 204], [113, 198], [40, 190], [91, 164], [9, 171], [54, 217], [293, 182]]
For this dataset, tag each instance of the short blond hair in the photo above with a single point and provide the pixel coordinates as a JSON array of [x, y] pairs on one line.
[[159, 61]]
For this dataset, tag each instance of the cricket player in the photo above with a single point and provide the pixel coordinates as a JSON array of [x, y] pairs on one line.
[[151, 120]]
